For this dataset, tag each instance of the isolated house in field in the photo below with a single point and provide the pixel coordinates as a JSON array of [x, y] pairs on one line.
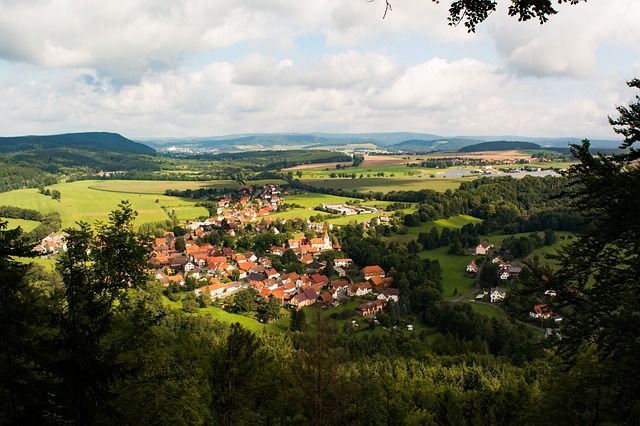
[[484, 248], [472, 267]]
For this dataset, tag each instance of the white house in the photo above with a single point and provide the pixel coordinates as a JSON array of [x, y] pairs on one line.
[[484, 247], [497, 294]]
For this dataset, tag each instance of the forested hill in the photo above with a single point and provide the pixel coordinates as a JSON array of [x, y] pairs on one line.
[[94, 141], [499, 146]]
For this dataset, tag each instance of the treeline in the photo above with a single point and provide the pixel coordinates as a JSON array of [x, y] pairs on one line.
[[262, 161], [19, 175], [94, 141], [71, 160], [499, 146]]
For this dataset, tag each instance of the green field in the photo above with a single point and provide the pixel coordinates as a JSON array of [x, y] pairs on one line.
[[452, 222], [157, 186], [26, 225], [454, 275], [80, 202], [398, 170], [491, 311], [48, 264], [388, 184]]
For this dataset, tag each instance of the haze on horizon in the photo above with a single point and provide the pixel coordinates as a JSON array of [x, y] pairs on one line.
[[195, 68]]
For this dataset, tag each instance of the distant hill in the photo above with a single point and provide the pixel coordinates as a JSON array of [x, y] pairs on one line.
[[400, 141], [439, 144], [499, 146], [92, 141], [257, 141]]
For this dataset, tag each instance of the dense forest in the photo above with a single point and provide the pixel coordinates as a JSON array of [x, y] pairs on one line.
[[94, 141]]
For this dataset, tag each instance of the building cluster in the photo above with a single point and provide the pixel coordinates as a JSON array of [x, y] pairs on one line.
[[508, 272], [52, 244]]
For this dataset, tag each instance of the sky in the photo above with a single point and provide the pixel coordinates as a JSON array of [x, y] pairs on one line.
[[190, 68]]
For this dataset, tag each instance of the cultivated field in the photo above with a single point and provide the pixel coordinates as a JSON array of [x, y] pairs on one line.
[[384, 184], [484, 155]]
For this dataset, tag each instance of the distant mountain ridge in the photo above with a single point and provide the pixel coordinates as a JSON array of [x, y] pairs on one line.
[[499, 146], [400, 141], [97, 141]]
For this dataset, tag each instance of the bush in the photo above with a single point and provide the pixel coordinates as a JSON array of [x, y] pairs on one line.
[[190, 306]]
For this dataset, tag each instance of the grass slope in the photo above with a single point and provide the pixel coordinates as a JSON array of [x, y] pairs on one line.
[[454, 275], [26, 225], [80, 202]]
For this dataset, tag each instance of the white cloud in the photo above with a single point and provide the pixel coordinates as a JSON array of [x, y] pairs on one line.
[[568, 44], [136, 68]]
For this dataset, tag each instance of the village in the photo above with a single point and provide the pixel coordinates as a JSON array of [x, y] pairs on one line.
[[191, 263], [220, 272]]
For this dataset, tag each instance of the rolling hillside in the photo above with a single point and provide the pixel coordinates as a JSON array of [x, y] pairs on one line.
[[95, 141]]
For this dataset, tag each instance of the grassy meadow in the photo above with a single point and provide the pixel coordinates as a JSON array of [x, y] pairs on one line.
[[26, 225], [491, 311], [157, 186], [452, 222], [88, 201], [454, 275], [388, 184]]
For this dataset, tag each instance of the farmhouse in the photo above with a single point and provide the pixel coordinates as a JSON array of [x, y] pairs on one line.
[[370, 308], [484, 247], [472, 267], [497, 294], [372, 271]]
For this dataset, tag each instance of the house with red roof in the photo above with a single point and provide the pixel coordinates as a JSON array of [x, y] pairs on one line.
[[372, 271]]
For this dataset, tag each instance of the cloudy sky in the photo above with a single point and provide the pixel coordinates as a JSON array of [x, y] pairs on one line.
[[169, 68]]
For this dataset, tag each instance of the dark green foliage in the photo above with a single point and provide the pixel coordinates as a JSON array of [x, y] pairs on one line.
[[49, 222], [236, 368], [264, 161], [15, 175], [298, 320], [23, 315], [269, 309], [518, 247], [244, 301], [97, 271], [85, 141]]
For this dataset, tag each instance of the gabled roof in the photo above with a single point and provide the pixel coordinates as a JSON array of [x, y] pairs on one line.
[[372, 270], [319, 279]]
